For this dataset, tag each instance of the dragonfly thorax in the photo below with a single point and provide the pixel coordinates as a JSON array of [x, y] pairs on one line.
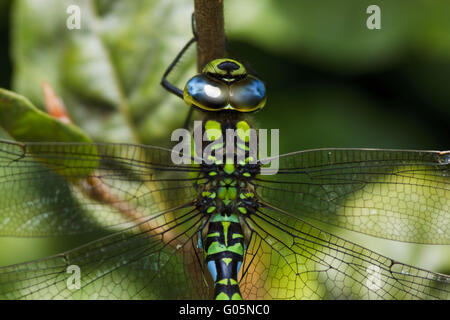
[[225, 192]]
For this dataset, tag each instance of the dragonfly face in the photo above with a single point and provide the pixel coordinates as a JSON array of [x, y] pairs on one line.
[[225, 85]]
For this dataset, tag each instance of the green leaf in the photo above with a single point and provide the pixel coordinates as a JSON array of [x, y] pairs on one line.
[[24, 122], [108, 72]]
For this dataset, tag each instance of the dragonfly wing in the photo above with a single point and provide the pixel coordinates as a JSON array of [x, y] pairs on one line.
[[392, 194], [51, 189], [288, 258], [151, 260]]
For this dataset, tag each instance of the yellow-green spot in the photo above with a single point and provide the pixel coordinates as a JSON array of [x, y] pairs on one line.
[[246, 174], [232, 281], [223, 296], [210, 209], [214, 234], [232, 193], [242, 210], [237, 235], [229, 168], [194, 174], [222, 192], [223, 281], [227, 260], [229, 182], [242, 128], [236, 296], [213, 130], [208, 194], [212, 173]]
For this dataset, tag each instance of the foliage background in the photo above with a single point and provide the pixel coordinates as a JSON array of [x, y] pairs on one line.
[[332, 82]]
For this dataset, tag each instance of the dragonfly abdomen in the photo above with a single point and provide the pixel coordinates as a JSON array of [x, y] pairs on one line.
[[224, 245], [225, 195]]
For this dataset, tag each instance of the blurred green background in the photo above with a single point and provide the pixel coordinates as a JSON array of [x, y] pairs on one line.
[[331, 81]]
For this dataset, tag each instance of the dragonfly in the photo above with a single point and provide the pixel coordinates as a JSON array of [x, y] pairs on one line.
[[211, 227]]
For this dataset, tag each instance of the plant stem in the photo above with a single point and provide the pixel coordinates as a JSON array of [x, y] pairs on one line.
[[209, 22]]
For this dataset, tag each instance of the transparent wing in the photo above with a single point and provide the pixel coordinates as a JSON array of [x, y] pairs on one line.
[[392, 194], [290, 259], [135, 192], [140, 262], [60, 189]]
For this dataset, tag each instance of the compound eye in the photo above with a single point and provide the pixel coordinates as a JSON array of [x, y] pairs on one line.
[[248, 94], [205, 93]]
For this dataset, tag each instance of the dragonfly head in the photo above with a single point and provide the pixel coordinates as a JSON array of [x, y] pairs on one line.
[[224, 84]]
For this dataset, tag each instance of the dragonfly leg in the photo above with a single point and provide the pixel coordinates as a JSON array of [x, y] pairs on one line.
[[165, 82]]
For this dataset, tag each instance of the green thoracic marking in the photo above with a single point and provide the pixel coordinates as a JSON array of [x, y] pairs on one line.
[[229, 168], [232, 193], [210, 209], [225, 193], [219, 218], [228, 182], [227, 260], [237, 235], [213, 130], [208, 194], [222, 192], [242, 210], [246, 195], [243, 131]]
